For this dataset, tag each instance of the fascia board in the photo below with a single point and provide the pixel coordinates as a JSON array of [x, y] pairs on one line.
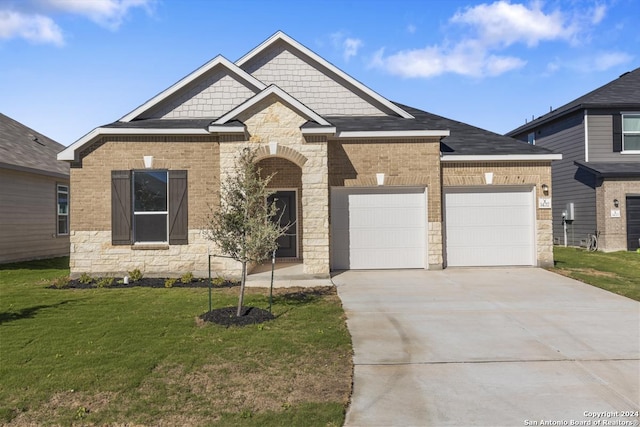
[[218, 60], [394, 134], [282, 36], [330, 130], [273, 90], [69, 153], [226, 129], [499, 157]]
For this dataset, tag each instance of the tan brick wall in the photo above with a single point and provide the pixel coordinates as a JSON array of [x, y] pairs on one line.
[[463, 174], [90, 215], [405, 162], [613, 231]]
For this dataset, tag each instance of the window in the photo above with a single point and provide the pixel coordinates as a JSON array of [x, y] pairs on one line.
[[150, 211], [63, 209], [149, 206], [531, 138], [631, 132]]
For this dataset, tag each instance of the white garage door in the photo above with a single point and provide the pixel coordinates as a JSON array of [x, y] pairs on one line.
[[378, 228], [490, 227]]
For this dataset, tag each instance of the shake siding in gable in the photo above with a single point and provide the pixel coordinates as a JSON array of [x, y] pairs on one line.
[[570, 184], [321, 92]]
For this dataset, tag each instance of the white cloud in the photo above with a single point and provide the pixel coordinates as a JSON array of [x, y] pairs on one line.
[[487, 29], [348, 45], [598, 61], [34, 28], [33, 20], [605, 61], [351, 47]]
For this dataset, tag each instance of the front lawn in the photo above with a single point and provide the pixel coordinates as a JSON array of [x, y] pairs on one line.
[[140, 356], [617, 272]]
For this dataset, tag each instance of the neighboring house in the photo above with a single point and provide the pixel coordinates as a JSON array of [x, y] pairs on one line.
[[34, 195], [370, 183], [597, 183]]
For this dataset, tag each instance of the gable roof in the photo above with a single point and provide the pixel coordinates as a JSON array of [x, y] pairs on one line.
[[22, 148], [611, 169], [319, 61], [623, 92], [218, 61]]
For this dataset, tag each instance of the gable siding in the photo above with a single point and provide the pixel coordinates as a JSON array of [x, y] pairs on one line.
[[570, 184], [601, 140], [211, 95], [28, 220], [323, 93]]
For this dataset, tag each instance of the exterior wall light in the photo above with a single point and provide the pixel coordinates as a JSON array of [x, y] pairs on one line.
[[148, 162], [616, 203], [545, 189]]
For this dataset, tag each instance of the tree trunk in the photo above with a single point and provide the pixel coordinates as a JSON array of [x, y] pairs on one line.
[[244, 278]]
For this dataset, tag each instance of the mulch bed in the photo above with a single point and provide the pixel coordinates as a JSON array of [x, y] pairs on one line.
[[226, 316], [146, 282]]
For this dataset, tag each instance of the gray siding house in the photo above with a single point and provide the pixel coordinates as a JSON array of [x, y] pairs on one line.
[[34, 195], [596, 185]]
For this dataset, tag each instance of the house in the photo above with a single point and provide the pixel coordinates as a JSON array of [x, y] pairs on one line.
[[34, 195], [370, 183], [597, 182]]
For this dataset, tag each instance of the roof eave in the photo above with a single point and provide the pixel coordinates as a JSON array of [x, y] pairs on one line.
[[393, 134], [498, 157]]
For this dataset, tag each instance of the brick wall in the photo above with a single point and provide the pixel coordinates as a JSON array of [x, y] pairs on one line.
[[461, 174], [613, 231]]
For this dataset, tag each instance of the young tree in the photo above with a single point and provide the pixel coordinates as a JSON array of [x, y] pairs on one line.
[[243, 227]]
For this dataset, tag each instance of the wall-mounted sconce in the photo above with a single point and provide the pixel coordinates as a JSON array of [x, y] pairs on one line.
[[545, 189], [380, 178], [616, 203], [488, 178], [273, 148], [148, 162]]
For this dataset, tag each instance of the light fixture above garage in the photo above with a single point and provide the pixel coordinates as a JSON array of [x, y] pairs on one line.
[[545, 189]]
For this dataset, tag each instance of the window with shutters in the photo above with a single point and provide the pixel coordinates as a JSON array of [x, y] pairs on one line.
[[150, 209], [631, 133], [149, 206]]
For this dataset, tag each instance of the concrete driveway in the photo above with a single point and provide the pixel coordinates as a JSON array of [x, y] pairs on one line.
[[489, 347]]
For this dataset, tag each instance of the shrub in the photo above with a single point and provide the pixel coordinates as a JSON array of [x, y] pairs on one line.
[[60, 282], [105, 282], [135, 275], [85, 279], [168, 283], [187, 278]]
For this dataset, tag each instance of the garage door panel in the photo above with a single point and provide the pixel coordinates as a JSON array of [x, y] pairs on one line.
[[378, 228], [489, 227]]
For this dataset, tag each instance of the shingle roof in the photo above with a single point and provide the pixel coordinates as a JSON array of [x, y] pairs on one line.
[[612, 169], [162, 124], [23, 148], [623, 92]]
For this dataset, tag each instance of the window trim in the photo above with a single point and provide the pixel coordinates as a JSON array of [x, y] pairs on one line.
[[59, 215], [134, 213], [623, 114]]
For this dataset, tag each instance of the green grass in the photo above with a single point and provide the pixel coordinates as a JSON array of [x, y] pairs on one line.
[[138, 356], [617, 272]]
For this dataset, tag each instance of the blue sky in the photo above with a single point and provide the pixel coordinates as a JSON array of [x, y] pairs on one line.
[[68, 66]]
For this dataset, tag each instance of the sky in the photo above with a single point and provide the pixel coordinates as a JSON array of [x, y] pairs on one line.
[[69, 66]]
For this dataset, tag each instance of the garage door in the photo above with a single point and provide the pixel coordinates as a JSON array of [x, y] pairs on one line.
[[378, 228], [489, 227], [633, 222]]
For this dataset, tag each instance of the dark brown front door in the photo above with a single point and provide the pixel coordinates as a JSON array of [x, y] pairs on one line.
[[286, 205]]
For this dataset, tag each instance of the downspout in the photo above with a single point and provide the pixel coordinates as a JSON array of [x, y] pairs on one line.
[[586, 135]]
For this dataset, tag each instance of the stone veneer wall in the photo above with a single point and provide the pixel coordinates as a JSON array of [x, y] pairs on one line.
[[462, 174], [406, 163], [613, 231], [90, 214], [272, 121]]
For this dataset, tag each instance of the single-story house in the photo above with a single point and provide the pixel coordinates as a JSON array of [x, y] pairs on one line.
[[597, 182], [371, 184], [34, 195]]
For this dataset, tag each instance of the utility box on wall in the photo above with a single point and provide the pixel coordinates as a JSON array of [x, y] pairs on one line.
[[570, 212]]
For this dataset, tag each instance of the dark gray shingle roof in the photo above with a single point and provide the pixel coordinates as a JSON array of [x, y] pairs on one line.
[[23, 148], [612, 169], [162, 124], [623, 92]]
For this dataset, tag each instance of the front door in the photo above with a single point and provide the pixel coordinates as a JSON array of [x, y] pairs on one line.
[[633, 222], [286, 205]]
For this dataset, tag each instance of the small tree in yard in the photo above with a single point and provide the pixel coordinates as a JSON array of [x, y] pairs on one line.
[[243, 227]]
